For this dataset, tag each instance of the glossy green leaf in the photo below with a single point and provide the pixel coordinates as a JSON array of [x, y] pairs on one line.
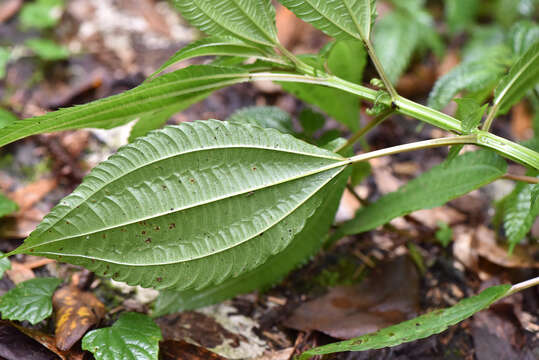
[[41, 14], [460, 14], [473, 76], [469, 113], [435, 187], [523, 34], [418, 328], [132, 336], [181, 86], [346, 59], [311, 121], [189, 206], [212, 46], [341, 19], [265, 116], [30, 300], [523, 75], [304, 245], [7, 206], [519, 213], [250, 21], [47, 49]]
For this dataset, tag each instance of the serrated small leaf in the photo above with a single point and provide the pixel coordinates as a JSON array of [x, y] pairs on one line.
[[47, 49], [435, 187], [341, 19], [132, 336], [189, 206], [523, 75], [469, 113], [212, 46], [306, 244], [419, 328], [7, 206], [41, 14], [270, 117], [520, 211], [30, 300], [182, 86], [250, 21]]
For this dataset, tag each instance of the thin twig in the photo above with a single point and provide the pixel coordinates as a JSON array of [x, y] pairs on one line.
[[523, 178]]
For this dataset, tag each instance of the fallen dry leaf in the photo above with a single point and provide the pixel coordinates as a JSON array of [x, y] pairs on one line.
[[182, 350], [29, 195], [389, 295], [521, 122], [8, 9], [15, 345], [76, 312]]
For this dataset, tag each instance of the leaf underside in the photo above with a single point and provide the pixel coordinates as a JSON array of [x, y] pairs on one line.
[[189, 205], [419, 328]]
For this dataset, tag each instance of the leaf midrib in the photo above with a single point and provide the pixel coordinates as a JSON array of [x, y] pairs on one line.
[[285, 215], [331, 166]]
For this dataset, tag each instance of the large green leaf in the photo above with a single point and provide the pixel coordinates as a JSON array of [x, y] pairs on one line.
[[30, 300], [7, 206], [6, 117], [5, 264], [460, 14], [346, 59], [183, 86], [265, 116], [435, 187], [523, 35], [189, 205], [419, 328], [133, 336], [212, 46], [341, 19], [520, 211], [305, 244], [524, 75], [250, 21]]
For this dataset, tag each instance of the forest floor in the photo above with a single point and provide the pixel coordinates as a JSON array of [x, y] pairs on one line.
[[356, 286]]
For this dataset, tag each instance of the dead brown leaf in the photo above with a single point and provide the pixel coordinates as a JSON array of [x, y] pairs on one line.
[[29, 195], [76, 312], [182, 350], [521, 122], [15, 345], [389, 295], [9, 8]]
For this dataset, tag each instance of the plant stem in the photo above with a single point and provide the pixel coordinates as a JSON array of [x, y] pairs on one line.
[[359, 134], [380, 70], [522, 286], [490, 118], [527, 179], [427, 144]]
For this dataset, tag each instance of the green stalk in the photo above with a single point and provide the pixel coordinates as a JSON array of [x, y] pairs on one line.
[[407, 107], [380, 70]]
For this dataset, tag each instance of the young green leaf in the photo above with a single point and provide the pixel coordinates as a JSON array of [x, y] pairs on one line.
[[189, 206], [183, 86], [341, 19], [212, 46], [419, 328], [7, 206], [524, 75], [265, 116], [520, 212], [469, 113], [250, 21], [444, 234], [132, 336], [306, 244], [41, 14], [435, 187], [47, 49], [30, 300]]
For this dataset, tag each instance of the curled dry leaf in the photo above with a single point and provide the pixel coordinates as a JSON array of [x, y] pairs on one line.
[[76, 312], [379, 301], [14, 345]]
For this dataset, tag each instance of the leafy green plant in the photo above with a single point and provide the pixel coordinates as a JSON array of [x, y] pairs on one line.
[[211, 209]]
